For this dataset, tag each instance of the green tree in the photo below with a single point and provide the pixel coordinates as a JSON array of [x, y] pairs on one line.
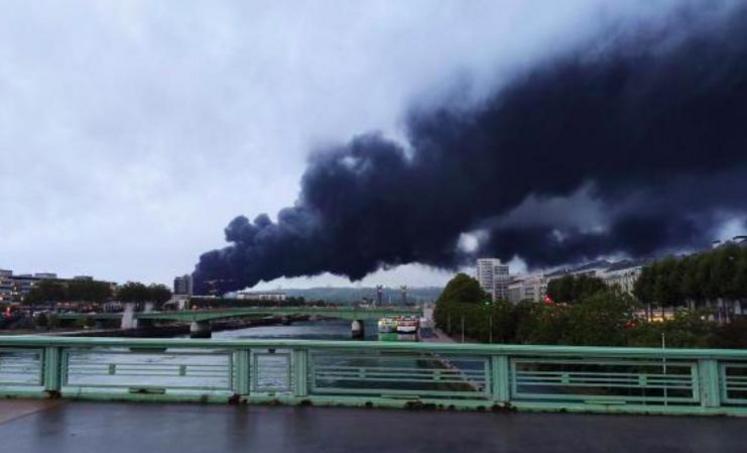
[[739, 283], [46, 291], [461, 290], [599, 319], [571, 288], [133, 292], [89, 291], [689, 284], [540, 323], [159, 294]]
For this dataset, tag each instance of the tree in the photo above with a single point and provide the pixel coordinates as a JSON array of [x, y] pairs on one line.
[[159, 294], [599, 319], [643, 289], [540, 323], [460, 291], [139, 293], [463, 289], [89, 291], [133, 292], [572, 288], [739, 283], [46, 291], [689, 288]]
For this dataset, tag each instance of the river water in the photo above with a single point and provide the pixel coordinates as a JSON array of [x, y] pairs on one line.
[[332, 329], [301, 330]]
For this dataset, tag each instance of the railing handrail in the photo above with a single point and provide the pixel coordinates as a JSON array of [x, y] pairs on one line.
[[464, 348]]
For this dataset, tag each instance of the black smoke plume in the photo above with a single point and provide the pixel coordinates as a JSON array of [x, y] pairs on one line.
[[650, 126]]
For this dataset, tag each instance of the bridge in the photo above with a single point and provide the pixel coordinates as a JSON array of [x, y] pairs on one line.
[[200, 319], [378, 374]]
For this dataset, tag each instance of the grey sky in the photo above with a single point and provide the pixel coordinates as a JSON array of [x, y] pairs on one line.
[[131, 132]]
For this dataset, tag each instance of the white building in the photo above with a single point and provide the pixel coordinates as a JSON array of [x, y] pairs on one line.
[[623, 274], [493, 277], [529, 287]]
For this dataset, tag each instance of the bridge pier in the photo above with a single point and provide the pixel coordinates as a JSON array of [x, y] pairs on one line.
[[200, 329], [357, 329], [129, 321]]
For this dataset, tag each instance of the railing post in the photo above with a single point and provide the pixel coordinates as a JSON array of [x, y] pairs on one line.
[[300, 372], [709, 378], [499, 379], [242, 385], [52, 370]]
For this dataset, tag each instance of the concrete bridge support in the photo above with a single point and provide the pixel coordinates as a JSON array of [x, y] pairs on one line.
[[357, 329], [200, 329], [129, 321]]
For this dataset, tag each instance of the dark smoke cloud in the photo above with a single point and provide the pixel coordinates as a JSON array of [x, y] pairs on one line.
[[652, 121]]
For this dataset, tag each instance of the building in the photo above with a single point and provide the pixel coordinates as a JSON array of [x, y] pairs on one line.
[[493, 277], [278, 296], [15, 287], [6, 285], [593, 269], [529, 287], [184, 285], [623, 274]]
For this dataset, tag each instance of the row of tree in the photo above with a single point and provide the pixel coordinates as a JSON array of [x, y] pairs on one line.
[[606, 317], [696, 280], [90, 291], [572, 288]]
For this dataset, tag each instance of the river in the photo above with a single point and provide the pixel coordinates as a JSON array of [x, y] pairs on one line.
[[333, 329]]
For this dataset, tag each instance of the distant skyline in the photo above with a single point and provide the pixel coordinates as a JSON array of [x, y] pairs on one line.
[[132, 132]]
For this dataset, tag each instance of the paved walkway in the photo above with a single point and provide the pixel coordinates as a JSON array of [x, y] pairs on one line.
[[78, 427]]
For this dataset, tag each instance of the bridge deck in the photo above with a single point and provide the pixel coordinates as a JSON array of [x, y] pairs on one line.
[[62, 427]]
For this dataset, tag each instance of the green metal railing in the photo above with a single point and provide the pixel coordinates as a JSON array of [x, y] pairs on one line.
[[461, 376]]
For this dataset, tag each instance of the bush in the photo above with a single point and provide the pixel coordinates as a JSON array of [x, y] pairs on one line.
[[685, 330], [599, 320]]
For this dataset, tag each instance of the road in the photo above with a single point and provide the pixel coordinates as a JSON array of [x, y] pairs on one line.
[[79, 427]]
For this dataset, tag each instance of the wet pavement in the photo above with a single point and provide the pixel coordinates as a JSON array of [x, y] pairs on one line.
[[67, 427]]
